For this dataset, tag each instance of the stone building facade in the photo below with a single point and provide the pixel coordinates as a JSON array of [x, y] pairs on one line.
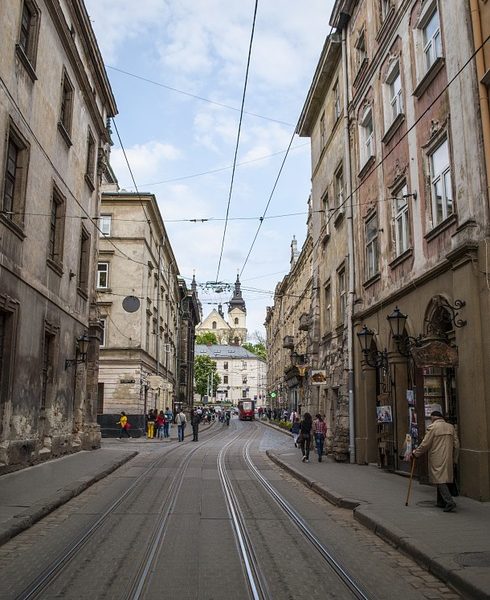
[[288, 342], [322, 120], [139, 300], [55, 100], [242, 373]]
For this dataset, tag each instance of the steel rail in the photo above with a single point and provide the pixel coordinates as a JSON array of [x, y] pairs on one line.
[[300, 523], [166, 507], [50, 573], [257, 583]]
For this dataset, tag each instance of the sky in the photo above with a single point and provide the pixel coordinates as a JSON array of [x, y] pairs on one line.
[[177, 70]]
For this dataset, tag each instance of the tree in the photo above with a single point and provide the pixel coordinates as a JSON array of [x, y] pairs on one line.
[[205, 371], [207, 338], [257, 349]]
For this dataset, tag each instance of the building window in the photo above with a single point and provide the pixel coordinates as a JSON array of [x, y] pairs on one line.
[[401, 221], [90, 167], [236, 321], [56, 227], [395, 93], [105, 225], [367, 136], [28, 34], [336, 101], [328, 307], [66, 110], [244, 379], [103, 333], [103, 275], [244, 393], [322, 131], [8, 327], [225, 365], [361, 52], [372, 248], [47, 366], [441, 186], [214, 325], [326, 213], [225, 379], [432, 40], [339, 188], [342, 294], [244, 365], [15, 178], [84, 261]]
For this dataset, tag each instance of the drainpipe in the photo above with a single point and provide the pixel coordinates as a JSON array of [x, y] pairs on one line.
[[483, 91], [350, 249]]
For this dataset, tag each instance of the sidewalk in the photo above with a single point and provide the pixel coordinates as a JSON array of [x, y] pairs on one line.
[[26, 496], [455, 547]]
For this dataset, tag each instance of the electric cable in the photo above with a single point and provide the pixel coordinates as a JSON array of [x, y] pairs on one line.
[[238, 138]]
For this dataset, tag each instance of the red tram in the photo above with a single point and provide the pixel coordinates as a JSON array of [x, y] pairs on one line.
[[246, 410]]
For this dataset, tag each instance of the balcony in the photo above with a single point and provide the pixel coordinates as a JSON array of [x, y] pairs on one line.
[[288, 342], [304, 322]]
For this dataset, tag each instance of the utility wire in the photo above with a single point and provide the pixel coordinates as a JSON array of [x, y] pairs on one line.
[[238, 139], [173, 89]]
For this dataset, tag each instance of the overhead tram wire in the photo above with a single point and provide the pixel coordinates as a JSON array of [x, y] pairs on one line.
[[238, 139], [173, 89], [261, 220]]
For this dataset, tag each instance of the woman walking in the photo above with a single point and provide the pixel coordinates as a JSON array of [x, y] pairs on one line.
[[305, 430], [295, 429], [320, 431], [123, 422], [160, 423]]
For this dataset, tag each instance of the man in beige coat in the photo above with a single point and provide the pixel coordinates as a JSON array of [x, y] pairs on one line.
[[442, 445]]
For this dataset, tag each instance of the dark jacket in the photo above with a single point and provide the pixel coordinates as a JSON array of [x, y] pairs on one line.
[[306, 427]]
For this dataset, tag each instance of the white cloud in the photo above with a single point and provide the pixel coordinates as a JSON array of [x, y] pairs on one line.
[[147, 161]]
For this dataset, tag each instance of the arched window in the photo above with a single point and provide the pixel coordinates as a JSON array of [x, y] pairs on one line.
[[236, 320], [214, 324]]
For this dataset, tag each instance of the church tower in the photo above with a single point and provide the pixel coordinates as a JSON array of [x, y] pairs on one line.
[[237, 316]]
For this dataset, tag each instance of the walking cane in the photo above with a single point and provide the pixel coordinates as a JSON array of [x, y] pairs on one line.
[[410, 482]]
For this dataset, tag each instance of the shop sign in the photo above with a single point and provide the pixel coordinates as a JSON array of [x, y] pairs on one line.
[[435, 354], [127, 381]]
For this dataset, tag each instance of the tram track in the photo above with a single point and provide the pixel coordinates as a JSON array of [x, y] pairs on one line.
[[258, 585], [36, 587]]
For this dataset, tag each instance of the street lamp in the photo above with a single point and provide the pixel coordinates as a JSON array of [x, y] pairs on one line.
[[80, 351], [404, 342], [374, 358]]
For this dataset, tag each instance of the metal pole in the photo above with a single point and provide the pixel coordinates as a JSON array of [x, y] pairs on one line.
[[350, 245]]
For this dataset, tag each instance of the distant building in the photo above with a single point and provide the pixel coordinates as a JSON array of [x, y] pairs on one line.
[[233, 331], [55, 100], [141, 302], [242, 373]]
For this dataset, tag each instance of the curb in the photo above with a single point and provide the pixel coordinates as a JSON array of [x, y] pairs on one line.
[[37, 511], [389, 533]]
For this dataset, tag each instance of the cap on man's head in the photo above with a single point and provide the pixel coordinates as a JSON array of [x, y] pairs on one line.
[[436, 413]]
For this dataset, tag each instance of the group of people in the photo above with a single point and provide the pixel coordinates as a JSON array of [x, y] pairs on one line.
[[158, 423], [306, 432]]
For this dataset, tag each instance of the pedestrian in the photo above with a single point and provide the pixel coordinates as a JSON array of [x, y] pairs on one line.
[[293, 415], [160, 424], [305, 433], [442, 446], [295, 429], [195, 420], [320, 431], [124, 423], [150, 424], [181, 421], [168, 420]]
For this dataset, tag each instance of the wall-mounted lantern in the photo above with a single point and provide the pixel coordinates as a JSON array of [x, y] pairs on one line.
[[80, 353], [374, 358]]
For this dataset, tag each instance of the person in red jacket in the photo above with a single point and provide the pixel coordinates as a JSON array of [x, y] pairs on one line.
[[320, 433]]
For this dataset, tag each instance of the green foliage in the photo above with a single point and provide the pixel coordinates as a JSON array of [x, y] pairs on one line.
[[257, 349], [285, 424], [205, 367], [207, 337]]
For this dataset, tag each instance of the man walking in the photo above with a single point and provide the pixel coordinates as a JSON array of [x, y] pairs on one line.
[[442, 445], [181, 421], [195, 420]]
